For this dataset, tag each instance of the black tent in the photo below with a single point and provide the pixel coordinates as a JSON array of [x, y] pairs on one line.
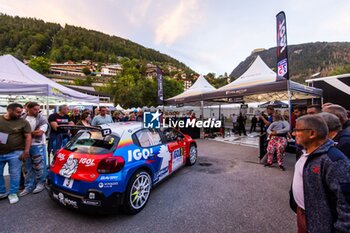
[[336, 89]]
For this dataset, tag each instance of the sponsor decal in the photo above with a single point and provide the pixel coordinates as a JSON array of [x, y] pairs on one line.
[[70, 167], [162, 173], [68, 183], [165, 155], [177, 158], [107, 184], [160, 86], [109, 178], [87, 162], [282, 48], [62, 121], [282, 67], [139, 154], [93, 203], [61, 156], [65, 200], [240, 91]]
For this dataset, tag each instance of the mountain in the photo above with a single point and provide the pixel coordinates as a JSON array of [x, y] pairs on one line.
[[326, 58], [27, 37]]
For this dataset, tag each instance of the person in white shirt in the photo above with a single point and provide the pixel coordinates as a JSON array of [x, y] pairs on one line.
[[35, 165]]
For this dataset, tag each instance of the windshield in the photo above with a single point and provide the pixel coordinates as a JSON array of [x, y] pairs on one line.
[[87, 142]]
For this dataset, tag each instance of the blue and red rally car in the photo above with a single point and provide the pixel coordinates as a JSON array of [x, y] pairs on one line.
[[117, 165]]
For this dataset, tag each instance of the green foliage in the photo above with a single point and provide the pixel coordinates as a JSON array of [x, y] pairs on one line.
[[171, 87], [217, 82], [131, 88], [341, 70], [86, 71], [25, 37], [83, 82], [40, 64]]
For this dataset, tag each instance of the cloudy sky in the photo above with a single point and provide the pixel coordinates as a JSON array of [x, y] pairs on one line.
[[207, 35]]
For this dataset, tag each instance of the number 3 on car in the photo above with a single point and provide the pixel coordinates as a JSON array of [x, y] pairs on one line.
[[117, 165]]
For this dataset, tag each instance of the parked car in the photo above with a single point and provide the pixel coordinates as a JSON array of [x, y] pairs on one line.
[[117, 165]]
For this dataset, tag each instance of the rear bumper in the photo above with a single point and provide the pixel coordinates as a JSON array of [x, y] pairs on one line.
[[94, 200]]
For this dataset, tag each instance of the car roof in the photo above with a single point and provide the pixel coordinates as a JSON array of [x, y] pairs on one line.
[[120, 127]]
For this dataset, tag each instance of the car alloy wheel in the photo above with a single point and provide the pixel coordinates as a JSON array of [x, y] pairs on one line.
[[140, 190], [193, 155]]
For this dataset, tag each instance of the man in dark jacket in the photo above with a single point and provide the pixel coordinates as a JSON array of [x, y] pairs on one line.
[[343, 137], [320, 190]]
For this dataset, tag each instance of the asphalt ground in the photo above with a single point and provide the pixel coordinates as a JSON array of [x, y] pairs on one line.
[[225, 191]]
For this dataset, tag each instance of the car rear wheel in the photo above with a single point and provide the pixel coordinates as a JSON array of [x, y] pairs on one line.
[[138, 192], [192, 159]]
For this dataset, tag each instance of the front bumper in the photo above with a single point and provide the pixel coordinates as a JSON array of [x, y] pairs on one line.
[[93, 200]]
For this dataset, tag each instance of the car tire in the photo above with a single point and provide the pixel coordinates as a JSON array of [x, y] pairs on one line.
[[193, 154], [137, 192]]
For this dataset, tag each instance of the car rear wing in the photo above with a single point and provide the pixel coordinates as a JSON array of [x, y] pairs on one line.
[[104, 132]]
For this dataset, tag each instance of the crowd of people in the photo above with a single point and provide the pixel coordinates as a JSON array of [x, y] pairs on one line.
[[23, 131], [320, 189]]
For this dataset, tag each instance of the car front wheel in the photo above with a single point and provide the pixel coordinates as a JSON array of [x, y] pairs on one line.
[[138, 192], [192, 159]]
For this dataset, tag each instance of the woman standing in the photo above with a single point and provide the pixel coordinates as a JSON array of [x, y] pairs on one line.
[[85, 119]]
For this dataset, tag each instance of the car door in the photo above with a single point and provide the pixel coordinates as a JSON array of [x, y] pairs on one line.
[[159, 157], [176, 147]]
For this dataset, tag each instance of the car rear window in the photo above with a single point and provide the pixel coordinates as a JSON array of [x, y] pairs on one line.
[[87, 142]]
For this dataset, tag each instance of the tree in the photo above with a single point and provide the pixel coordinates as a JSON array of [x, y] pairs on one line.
[[40, 64], [86, 71]]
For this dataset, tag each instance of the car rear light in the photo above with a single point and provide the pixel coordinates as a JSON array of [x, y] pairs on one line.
[[110, 165]]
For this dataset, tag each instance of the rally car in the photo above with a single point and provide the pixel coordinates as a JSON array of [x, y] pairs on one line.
[[117, 165]]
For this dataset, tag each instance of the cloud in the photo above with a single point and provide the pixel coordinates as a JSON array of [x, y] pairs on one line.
[[138, 12], [178, 23]]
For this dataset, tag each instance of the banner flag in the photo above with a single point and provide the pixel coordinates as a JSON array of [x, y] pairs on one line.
[[160, 87], [282, 49]]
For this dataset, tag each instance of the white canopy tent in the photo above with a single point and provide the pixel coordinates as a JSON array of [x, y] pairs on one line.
[[18, 79], [260, 83], [257, 73], [200, 87]]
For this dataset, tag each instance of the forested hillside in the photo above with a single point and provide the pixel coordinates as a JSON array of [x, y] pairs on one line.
[[306, 60], [27, 37]]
